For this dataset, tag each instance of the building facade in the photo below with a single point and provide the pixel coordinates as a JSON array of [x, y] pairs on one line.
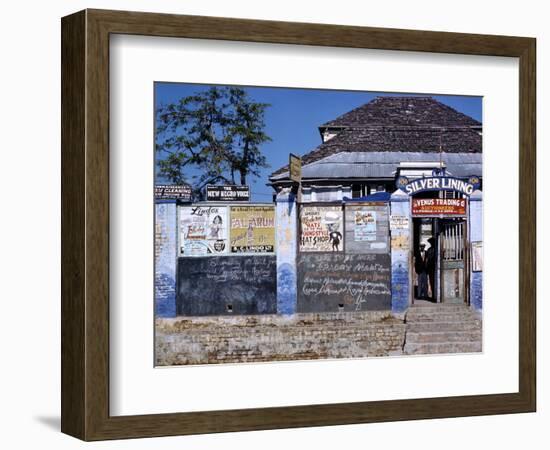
[[406, 173], [388, 213]]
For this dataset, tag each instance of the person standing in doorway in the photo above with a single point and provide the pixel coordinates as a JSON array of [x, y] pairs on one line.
[[430, 266], [420, 267]]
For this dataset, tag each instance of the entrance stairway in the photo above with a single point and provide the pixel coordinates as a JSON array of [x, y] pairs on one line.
[[442, 328]]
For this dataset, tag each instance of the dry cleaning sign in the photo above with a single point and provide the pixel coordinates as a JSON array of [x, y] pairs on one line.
[[466, 187]]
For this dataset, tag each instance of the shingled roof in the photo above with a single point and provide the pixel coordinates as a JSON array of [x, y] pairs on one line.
[[403, 111], [399, 124]]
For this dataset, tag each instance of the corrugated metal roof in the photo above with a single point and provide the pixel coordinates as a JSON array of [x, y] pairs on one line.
[[397, 124], [384, 164], [398, 157]]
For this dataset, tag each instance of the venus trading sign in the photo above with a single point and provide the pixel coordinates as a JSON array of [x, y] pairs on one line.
[[455, 207]]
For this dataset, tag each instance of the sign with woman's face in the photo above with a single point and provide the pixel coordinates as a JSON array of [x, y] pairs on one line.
[[202, 230]]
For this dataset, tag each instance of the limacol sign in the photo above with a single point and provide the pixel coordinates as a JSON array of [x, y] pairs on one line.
[[467, 187]]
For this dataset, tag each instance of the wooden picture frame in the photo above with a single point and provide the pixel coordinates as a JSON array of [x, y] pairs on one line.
[[85, 224]]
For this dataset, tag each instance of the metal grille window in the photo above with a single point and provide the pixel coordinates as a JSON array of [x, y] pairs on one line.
[[452, 241]]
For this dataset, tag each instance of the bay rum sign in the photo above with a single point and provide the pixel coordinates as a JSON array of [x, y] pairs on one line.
[[466, 187]]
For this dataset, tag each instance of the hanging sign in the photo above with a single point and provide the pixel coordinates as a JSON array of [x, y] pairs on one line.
[[295, 167], [466, 187]]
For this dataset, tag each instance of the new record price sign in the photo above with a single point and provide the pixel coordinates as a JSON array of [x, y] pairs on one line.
[[455, 207], [227, 193]]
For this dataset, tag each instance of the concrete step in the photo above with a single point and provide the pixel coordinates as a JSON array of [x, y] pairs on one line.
[[431, 326], [443, 336], [436, 307], [442, 347], [440, 317]]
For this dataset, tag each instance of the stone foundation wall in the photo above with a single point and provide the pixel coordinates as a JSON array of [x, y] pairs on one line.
[[222, 339]]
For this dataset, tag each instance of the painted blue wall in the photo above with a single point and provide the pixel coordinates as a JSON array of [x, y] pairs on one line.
[[476, 235], [286, 253], [286, 234], [476, 290], [400, 247], [165, 259]]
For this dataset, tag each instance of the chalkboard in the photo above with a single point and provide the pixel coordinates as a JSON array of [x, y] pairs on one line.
[[333, 282], [226, 285]]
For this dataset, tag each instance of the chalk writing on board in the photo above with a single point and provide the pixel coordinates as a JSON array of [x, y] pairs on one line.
[[352, 282], [207, 285]]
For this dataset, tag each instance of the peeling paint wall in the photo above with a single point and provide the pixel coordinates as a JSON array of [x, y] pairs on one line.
[[400, 248], [165, 259], [286, 253], [476, 235]]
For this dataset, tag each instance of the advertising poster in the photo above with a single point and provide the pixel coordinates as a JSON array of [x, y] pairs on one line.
[[365, 225], [203, 230], [477, 256], [399, 222], [321, 229], [252, 229]]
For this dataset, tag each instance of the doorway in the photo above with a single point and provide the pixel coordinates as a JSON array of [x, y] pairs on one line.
[[425, 259], [439, 259]]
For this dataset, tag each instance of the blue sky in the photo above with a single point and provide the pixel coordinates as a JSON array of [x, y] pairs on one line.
[[294, 116]]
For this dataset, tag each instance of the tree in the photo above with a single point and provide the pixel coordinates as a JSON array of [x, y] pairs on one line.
[[211, 137]]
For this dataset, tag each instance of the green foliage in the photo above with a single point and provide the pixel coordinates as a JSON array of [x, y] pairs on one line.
[[215, 135]]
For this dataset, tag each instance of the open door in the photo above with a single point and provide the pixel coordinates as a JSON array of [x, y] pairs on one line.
[[424, 230], [452, 257]]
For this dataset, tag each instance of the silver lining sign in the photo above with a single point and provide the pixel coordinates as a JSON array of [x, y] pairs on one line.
[[466, 187]]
